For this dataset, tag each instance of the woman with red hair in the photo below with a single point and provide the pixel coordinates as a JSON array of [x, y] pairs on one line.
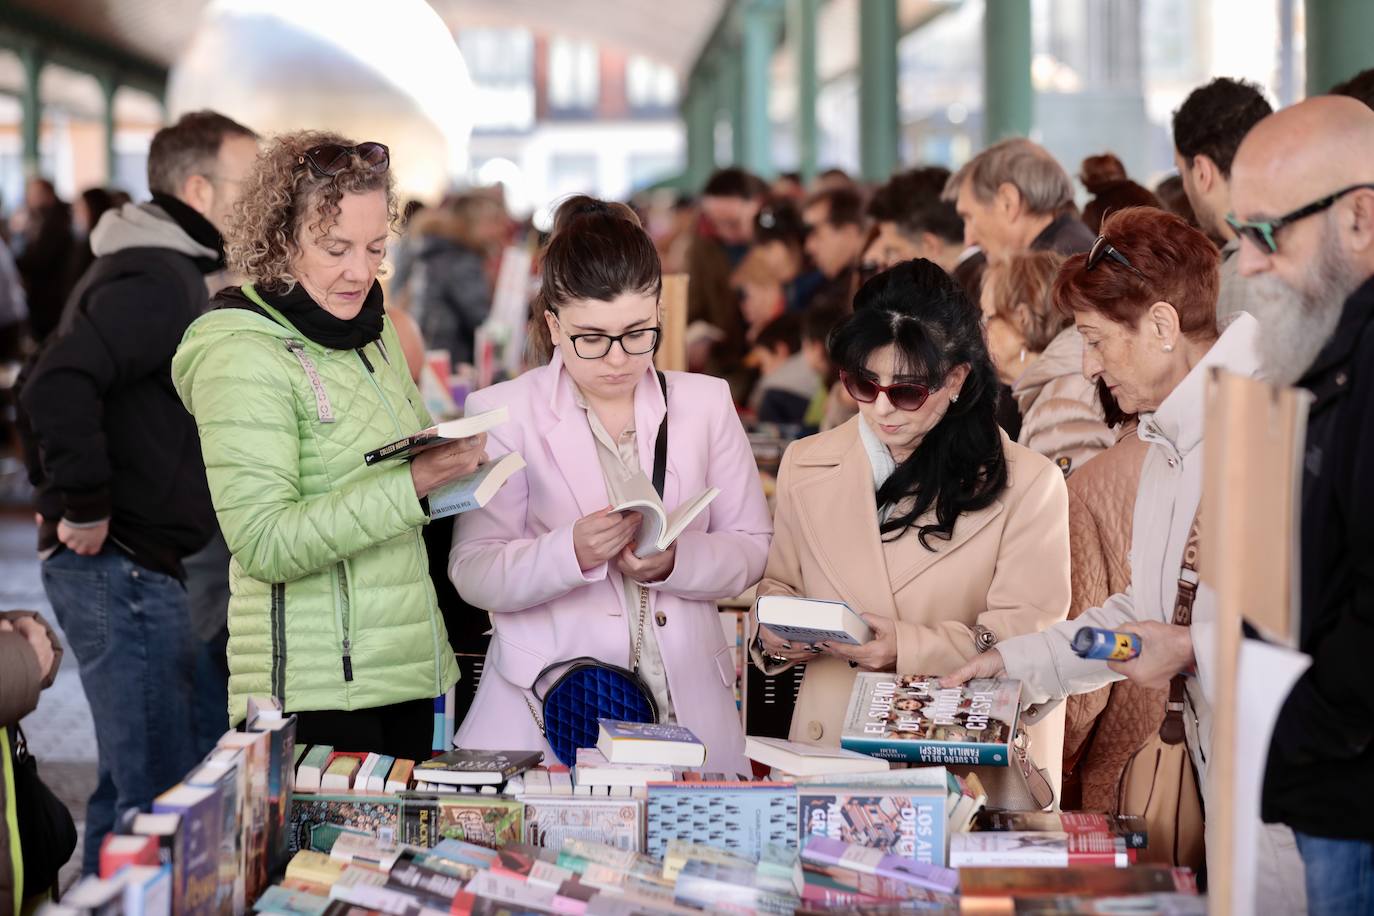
[[1144, 298]]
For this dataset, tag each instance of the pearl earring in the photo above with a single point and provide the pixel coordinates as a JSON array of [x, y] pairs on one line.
[[953, 398], [1168, 348]]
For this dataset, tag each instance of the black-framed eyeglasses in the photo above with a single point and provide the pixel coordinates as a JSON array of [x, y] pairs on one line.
[[635, 343], [329, 159], [1105, 249], [1264, 232]]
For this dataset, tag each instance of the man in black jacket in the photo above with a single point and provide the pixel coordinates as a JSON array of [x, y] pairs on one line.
[[1303, 192], [116, 460]]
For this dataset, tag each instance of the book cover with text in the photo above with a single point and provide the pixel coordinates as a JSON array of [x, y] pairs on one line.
[[909, 718]]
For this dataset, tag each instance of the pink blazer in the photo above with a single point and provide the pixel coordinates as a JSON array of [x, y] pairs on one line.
[[515, 557]]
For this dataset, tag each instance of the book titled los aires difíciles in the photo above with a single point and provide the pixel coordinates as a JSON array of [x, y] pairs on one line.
[[911, 719], [439, 434]]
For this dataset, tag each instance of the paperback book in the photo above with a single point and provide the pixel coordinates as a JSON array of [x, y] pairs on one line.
[[1130, 828], [475, 768], [487, 820], [739, 817], [318, 820], [618, 822], [1037, 849], [910, 718], [439, 434], [907, 824], [658, 527], [797, 758], [811, 620], [648, 742], [475, 490]]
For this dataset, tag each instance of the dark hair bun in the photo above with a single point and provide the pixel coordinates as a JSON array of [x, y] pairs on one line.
[[1101, 172], [585, 207]]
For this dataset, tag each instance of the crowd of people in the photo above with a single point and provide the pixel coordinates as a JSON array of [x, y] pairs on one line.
[[996, 397]]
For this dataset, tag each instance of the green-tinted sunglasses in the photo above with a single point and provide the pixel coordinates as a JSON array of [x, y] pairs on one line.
[[1263, 232]]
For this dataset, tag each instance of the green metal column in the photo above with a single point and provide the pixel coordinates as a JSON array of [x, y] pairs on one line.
[[878, 88], [108, 87], [699, 112], [1338, 41], [801, 29], [759, 36], [1007, 91], [728, 93], [32, 103]]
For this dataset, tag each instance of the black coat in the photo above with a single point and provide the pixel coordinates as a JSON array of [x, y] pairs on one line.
[[106, 435], [1320, 777]]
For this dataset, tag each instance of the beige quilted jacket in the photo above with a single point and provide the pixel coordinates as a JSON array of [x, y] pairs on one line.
[[1061, 416]]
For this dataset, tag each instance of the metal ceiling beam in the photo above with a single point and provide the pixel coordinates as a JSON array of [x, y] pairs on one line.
[[60, 44]]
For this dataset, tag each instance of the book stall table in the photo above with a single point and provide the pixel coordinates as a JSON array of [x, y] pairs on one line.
[[264, 825]]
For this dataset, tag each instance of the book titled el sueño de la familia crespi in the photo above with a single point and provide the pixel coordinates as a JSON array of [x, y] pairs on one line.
[[910, 718]]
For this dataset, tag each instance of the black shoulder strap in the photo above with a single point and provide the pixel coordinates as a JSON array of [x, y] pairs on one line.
[[661, 446]]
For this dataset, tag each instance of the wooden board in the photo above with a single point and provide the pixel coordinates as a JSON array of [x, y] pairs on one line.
[[672, 345], [1254, 437]]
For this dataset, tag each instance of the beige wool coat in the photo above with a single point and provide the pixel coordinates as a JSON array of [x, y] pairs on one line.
[[1006, 567]]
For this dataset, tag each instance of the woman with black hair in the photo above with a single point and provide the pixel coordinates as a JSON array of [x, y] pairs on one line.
[[919, 513]]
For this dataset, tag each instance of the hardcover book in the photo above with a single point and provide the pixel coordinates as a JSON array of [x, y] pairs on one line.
[[911, 719], [739, 817], [905, 823], [473, 768]]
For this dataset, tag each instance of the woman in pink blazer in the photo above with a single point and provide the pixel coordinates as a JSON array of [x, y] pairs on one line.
[[547, 557]]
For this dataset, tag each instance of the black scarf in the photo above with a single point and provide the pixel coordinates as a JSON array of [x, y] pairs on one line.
[[200, 229], [325, 329]]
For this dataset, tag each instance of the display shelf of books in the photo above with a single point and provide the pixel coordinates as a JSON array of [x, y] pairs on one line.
[[270, 826]]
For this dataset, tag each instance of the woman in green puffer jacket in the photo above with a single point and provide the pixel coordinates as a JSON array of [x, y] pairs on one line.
[[291, 379]]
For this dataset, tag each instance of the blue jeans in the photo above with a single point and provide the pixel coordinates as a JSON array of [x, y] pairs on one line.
[[1340, 875], [129, 629]]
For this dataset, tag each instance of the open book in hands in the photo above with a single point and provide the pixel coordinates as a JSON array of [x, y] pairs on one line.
[[439, 434], [658, 527]]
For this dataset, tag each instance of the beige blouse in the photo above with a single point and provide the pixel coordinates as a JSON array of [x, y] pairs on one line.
[[619, 463]]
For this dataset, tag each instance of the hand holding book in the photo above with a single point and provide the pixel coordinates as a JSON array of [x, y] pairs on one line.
[[600, 537], [445, 463], [653, 568], [878, 654]]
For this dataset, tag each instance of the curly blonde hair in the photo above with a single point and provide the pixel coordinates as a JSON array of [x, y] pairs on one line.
[[284, 195]]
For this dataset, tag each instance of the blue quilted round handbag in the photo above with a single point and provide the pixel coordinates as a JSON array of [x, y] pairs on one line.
[[588, 691]]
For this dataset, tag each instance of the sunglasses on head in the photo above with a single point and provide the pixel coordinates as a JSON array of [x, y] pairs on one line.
[[903, 395], [1264, 232], [1105, 249], [329, 159]]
